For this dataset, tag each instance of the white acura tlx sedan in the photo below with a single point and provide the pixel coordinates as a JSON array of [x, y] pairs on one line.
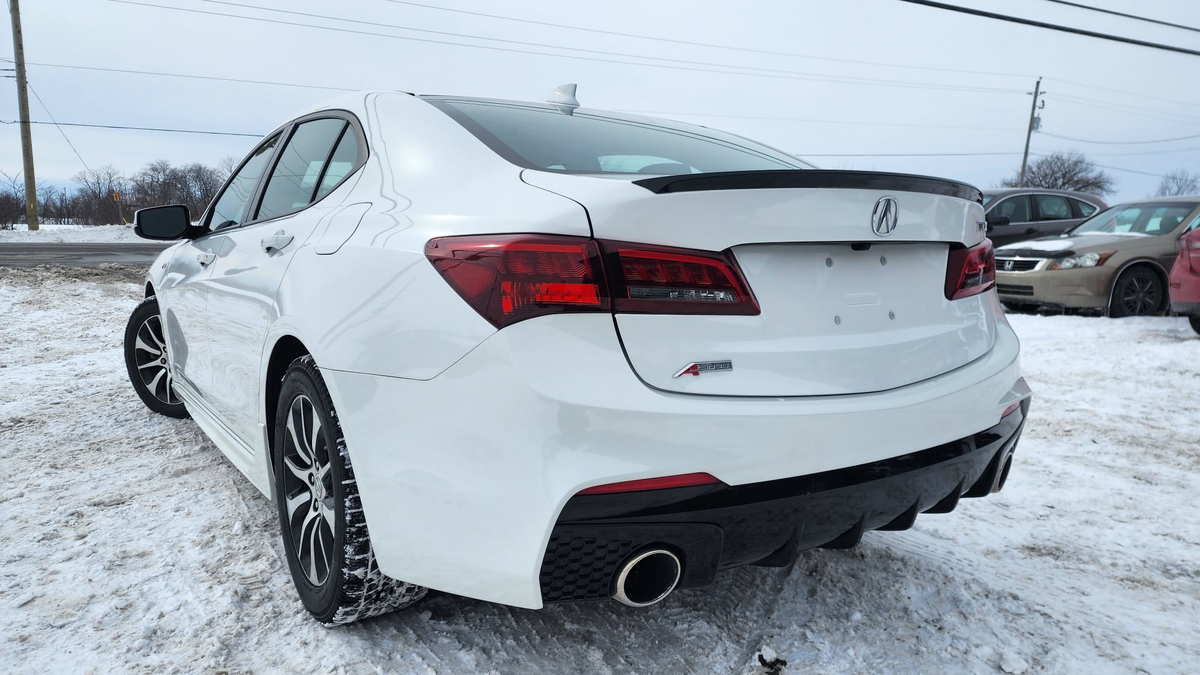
[[534, 353]]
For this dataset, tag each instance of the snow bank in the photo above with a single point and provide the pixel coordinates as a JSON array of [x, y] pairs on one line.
[[131, 545], [108, 234]]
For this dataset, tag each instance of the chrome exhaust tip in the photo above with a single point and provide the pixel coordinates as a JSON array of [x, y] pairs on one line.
[[647, 578]]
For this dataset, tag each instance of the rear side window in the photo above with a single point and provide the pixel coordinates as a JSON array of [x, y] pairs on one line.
[[231, 207], [1085, 209], [341, 163], [541, 137], [294, 181], [1015, 208], [1053, 207]]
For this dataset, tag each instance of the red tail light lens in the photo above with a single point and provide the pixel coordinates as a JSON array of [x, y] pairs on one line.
[[661, 280], [1189, 247], [512, 277], [682, 480], [970, 271], [509, 278]]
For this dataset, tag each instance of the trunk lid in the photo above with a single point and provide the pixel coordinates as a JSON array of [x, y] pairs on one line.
[[843, 309]]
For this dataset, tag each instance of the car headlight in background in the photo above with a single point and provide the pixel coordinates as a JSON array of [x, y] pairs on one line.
[[1086, 260]]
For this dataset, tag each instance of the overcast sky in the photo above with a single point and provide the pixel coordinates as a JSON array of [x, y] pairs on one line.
[[842, 115]]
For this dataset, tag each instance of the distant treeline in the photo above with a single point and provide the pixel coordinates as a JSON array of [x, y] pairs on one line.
[[105, 195]]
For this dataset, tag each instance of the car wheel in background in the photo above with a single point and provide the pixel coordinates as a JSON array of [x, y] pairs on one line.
[[1195, 321], [147, 363], [324, 532], [1138, 292]]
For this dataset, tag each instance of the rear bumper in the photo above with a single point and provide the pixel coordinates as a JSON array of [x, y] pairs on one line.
[[463, 477], [715, 527], [1186, 308]]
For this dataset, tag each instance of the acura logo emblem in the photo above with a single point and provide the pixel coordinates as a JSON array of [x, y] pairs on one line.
[[883, 218]]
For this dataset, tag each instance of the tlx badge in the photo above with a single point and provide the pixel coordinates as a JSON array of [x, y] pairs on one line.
[[700, 367]]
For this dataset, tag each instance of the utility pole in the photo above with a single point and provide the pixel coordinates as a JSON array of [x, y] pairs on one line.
[[1033, 125], [31, 202]]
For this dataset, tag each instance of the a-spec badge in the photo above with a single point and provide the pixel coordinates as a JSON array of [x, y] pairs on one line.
[[700, 367]]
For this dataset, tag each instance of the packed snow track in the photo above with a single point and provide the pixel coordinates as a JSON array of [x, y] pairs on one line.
[[129, 544]]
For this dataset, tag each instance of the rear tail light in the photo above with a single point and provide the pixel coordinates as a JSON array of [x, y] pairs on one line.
[[970, 271], [1189, 247], [681, 480], [513, 277], [509, 278], [662, 280]]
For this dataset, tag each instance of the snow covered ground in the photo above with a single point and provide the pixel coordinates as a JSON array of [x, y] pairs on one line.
[[57, 234], [130, 545]]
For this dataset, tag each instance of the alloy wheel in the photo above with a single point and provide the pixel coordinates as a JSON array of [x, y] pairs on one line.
[[153, 366], [308, 490], [1140, 293]]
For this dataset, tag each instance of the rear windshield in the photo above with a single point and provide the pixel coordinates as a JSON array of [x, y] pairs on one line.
[[1146, 219], [542, 137]]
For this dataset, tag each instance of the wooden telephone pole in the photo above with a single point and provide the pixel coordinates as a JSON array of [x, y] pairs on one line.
[[1033, 122], [31, 202]]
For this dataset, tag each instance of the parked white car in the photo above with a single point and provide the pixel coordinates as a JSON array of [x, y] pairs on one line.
[[548, 354]]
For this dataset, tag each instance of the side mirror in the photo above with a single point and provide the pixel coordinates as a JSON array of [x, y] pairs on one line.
[[162, 222], [993, 221]]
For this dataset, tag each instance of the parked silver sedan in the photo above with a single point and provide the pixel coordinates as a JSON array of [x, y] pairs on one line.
[[1019, 214]]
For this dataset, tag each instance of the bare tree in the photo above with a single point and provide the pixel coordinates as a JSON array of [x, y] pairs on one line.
[[1179, 182], [12, 200], [94, 195], [226, 166], [1065, 171]]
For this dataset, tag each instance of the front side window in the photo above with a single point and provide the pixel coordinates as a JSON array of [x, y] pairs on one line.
[[294, 181], [542, 137], [1016, 209], [1053, 207], [1137, 219], [231, 207]]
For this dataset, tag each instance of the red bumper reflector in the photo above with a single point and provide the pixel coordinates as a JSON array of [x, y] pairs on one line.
[[682, 480], [1011, 409]]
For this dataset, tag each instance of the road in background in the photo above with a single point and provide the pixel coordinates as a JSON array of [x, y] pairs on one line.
[[78, 255]]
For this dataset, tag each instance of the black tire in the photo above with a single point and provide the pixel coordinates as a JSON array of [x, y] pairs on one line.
[[1138, 292], [146, 361], [1195, 321], [320, 511]]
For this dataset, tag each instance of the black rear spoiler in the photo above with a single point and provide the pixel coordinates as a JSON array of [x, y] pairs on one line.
[[810, 178]]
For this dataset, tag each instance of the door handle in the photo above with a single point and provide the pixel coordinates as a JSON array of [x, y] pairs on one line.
[[276, 242], [205, 258]]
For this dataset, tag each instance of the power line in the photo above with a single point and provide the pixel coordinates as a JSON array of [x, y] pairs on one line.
[[552, 46], [1144, 152], [186, 76], [909, 154], [815, 121], [1125, 108], [1053, 26], [709, 45], [59, 127], [1084, 140], [797, 76], [1139, 94], [1127, 16], [129, 128]]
